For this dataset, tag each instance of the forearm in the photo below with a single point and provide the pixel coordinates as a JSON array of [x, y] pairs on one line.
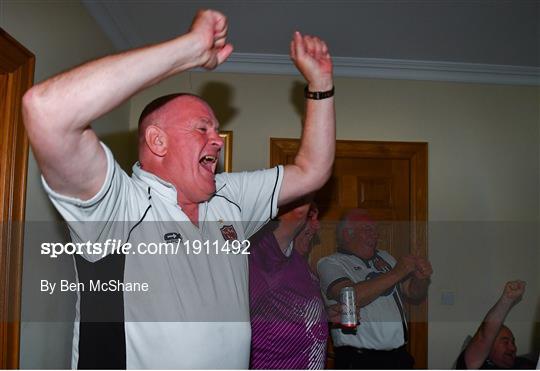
[[494, 319], [71, 100], [317, 150], [313, 163], [367, 291]]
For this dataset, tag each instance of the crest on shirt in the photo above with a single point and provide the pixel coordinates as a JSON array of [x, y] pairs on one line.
[[228, 232], [172, 237]]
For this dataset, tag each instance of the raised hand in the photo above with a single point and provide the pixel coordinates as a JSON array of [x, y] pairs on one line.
[[513, 291], [210, 29], [423, 268], [312, 58]]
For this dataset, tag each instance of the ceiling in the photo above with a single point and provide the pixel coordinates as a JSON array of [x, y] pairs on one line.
[[482, 35]]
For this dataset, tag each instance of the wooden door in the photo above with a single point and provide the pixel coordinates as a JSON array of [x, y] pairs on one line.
[[16, 75], [389, 180]]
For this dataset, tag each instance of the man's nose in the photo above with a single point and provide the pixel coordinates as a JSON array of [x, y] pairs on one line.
[[217, 140]]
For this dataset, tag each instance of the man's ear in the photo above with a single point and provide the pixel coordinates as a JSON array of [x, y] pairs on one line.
[[156, 139]]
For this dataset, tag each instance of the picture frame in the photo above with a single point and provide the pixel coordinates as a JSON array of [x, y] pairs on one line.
[[225, 156]]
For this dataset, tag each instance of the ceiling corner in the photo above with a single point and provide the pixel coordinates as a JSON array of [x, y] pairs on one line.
[[111, 26]]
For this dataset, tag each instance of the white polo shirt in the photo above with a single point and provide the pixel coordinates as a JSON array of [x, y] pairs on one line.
[[195, 313], [382, 320]]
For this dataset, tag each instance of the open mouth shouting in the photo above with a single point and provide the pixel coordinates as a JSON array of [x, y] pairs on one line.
[[209, 163]]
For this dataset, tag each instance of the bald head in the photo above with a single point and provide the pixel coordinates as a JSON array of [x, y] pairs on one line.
[[155, 112], [156, 104]]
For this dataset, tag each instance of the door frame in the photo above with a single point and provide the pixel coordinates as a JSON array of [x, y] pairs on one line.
[[17, 75], [416, 153]]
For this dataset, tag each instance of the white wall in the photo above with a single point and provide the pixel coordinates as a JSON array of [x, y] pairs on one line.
[[61, 34], [483, 176]]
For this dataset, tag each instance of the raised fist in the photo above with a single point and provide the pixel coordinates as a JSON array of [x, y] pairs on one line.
[[513, 290], [311, 57], [210, 27]]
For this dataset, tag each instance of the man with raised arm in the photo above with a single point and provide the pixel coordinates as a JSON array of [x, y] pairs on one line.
[[493, 346], [195, 313]]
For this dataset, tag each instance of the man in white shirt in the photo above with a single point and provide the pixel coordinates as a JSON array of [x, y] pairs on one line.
[[195, 313], [381, 284]]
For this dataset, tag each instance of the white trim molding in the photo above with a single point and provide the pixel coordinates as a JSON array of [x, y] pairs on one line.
[[376, 68], [123, 35]]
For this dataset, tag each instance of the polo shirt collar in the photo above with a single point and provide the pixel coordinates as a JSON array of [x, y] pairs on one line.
[[367, 262], [163, 188]]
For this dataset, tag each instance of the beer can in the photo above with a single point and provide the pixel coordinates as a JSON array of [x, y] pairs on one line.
[[348, 307]]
